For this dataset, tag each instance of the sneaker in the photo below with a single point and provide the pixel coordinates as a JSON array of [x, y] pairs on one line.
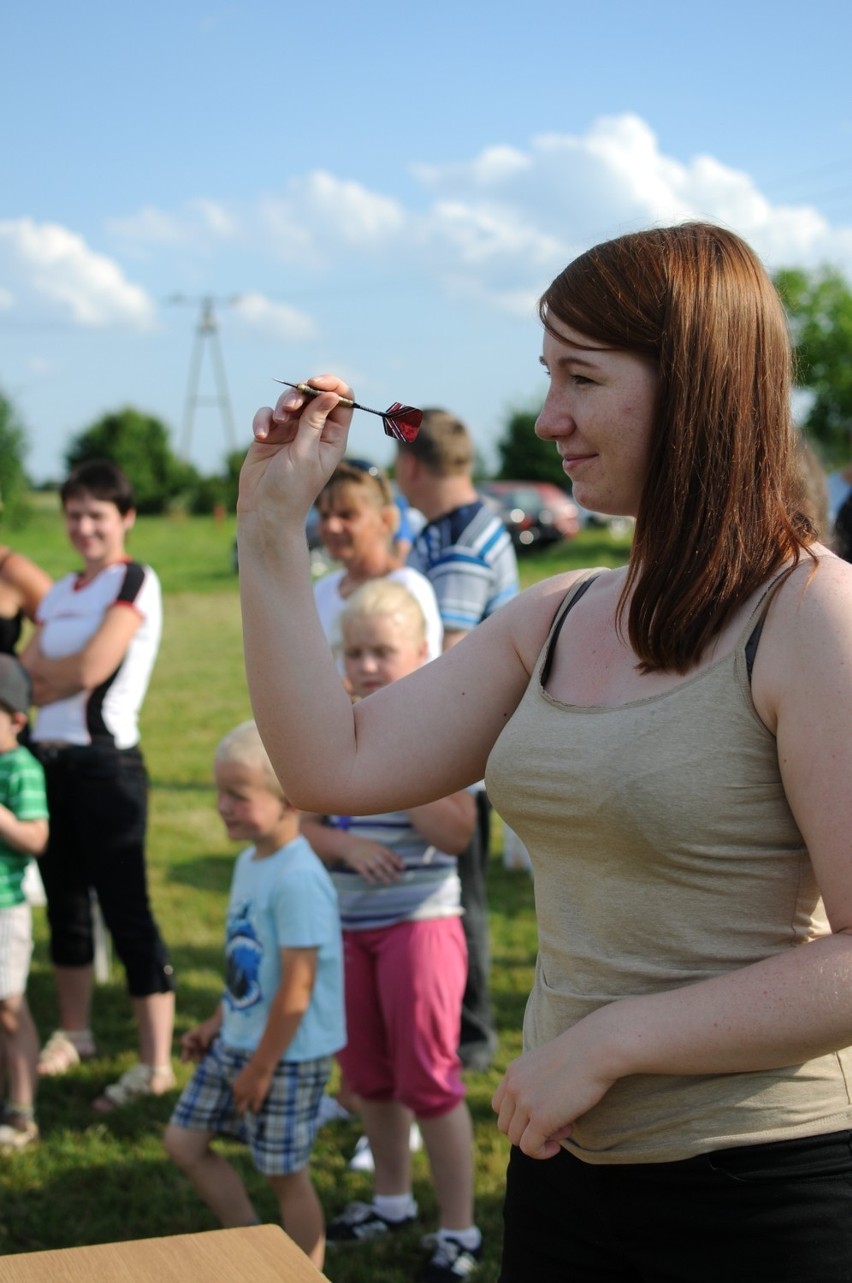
[[450, 1260], [359, 1222], [362, 1157], [16, 1133]]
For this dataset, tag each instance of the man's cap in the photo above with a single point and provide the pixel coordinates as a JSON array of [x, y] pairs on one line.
[[15, 688]]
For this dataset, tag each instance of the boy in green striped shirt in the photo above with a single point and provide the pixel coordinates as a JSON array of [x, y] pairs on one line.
[[23, 834]]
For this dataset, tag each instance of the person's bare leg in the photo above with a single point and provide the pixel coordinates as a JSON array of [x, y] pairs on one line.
[[155, 1015], [74, 995], [449, 1144], [387, 1124], [213, 1177], [301, 1213], [21, 1050]]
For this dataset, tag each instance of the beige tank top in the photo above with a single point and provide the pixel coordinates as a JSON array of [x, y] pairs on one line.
[[664, 853]]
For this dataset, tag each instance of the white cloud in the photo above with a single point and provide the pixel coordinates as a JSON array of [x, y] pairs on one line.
[[568, 191], [198, 224], [481, 233], [53, 271], [493, 229], [492, 166], [320, 213], [276, 320], [496, 226]]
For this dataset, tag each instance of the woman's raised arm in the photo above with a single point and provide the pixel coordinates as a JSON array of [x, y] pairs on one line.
[[421, 738]]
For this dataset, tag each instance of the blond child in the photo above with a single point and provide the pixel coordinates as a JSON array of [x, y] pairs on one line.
[[23, 833], [405, 965], [264, 1056]]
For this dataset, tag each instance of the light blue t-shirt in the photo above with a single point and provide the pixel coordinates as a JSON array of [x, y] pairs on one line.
[[285, 901]]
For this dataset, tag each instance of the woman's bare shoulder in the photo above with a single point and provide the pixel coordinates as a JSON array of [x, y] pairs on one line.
[[807, 637], [529, 616], [819, 588]]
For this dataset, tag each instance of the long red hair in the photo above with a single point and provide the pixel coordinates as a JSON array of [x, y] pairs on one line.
[[718, 514]]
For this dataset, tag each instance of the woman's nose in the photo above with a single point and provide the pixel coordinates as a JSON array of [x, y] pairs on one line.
[[553, 421]]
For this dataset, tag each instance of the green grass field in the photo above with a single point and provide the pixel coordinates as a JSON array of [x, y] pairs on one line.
[[97, 1180]]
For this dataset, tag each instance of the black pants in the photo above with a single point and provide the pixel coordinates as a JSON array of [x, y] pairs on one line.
[[777, 1213], [97, 797]]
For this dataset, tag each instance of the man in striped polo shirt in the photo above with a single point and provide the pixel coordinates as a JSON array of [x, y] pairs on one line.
[[466, 552]]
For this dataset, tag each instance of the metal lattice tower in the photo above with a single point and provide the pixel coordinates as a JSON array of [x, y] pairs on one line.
[[206, 337]]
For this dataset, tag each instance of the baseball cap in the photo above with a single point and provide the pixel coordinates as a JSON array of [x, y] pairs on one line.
[[15, 689]]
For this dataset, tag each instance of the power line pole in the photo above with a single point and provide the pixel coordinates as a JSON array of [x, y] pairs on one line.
[[206, 336]]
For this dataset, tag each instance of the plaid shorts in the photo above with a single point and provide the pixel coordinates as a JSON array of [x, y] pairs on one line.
[[16, 948], [281, 1135]]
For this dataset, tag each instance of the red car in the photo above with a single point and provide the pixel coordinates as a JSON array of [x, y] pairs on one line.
[[535, 512]]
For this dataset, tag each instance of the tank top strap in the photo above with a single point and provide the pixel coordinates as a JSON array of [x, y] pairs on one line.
[[570, 600], [750, 636]]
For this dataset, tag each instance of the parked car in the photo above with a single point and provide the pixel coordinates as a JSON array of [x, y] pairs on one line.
[[618, 527], [536, 512], [559, 517]]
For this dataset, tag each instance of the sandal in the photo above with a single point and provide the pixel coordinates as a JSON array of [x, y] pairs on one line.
[[135, 1082], [64, 1050]]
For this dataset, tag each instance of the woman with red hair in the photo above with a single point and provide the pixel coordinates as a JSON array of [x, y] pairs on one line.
[[671, 742]]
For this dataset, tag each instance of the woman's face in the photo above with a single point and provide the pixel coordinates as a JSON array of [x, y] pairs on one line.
[[353, 524], [96, 529], [599, 413]]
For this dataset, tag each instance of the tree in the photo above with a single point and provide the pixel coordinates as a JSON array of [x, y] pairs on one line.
[[819, 306], [139, 445], [13, 479], [524, 456], [220, 491]]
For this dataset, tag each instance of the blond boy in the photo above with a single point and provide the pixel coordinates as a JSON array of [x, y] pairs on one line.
[[264, 1056]]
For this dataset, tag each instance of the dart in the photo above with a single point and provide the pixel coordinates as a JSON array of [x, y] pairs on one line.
[[402, 422]]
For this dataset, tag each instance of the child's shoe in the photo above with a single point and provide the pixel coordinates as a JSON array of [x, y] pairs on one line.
[[17, 1131], [450, 1260], [360, 1222]]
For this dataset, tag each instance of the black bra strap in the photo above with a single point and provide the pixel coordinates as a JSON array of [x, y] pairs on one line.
[[751, 646], [551, 646], [763, 606]]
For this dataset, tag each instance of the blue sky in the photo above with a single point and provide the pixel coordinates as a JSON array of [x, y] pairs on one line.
[[377, 190]]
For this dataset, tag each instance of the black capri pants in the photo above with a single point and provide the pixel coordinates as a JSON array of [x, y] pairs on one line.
[[772, 1213], [97, 796]]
